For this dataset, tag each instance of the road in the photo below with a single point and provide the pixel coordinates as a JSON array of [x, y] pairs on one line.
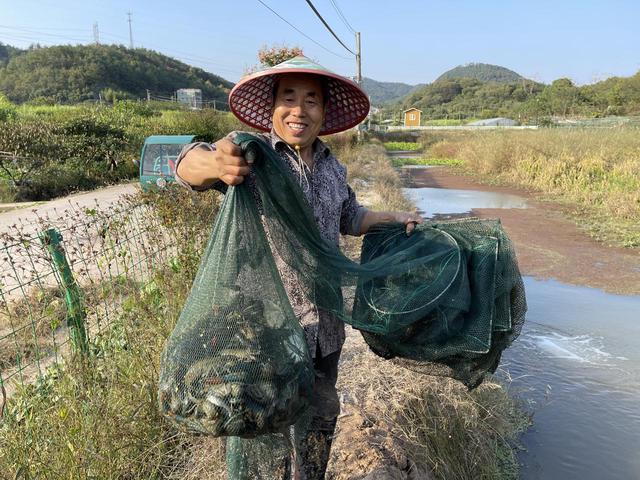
[[28, 217]]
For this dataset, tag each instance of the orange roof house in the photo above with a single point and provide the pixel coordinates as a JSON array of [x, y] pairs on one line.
[[412, 117]]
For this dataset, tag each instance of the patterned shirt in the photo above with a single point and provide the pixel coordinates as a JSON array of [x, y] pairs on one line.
[[336, 211]]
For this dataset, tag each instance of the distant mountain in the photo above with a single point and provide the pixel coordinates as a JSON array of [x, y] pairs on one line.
[[483, 72], [386, 92], [69, 74]]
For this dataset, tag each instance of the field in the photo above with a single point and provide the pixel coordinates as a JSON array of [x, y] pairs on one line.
[[87, 146], [404, 146]]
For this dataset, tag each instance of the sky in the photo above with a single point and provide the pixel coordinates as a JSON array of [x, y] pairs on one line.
[[408, 41]]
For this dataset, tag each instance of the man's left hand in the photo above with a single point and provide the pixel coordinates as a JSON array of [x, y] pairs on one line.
[[409, 219]]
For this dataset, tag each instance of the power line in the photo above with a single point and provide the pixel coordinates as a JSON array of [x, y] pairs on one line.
[[26, 32], [328, 27], [183, 57], [300, 31], [45, 28], [342, 17]]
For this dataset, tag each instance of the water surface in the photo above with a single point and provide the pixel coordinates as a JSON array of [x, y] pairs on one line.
[[445, 201], [577, 365]]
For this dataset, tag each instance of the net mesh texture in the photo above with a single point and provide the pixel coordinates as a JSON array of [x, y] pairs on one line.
[[445, 300]]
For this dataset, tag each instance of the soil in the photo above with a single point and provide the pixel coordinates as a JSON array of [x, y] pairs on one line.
[[547, 242]]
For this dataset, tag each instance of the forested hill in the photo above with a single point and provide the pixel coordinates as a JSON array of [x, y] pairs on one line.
[[483, 72], [386, 92], [6, 52], [471, 98], [69, 74]]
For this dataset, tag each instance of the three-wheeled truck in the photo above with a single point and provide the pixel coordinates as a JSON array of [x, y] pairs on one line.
[[158, 159]]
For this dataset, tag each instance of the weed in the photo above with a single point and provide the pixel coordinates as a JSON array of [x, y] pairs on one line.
[[404, 146], [596, 170], [427, 161]]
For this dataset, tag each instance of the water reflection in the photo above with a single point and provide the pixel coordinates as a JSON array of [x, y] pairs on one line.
[[441, 201]]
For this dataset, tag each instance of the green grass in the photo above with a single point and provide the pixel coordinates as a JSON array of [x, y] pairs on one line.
[[404, 146], [401, 162]]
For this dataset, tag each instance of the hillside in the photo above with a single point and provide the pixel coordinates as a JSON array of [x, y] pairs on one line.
[[69, 74], [468, 97], [483, 72], [386, 92], [525, 100], [7, 52]]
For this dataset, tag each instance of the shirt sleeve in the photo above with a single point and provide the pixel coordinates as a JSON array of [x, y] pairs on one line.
[[352, 214]]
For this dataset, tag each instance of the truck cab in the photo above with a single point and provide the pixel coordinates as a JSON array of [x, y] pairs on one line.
[[158, 159]]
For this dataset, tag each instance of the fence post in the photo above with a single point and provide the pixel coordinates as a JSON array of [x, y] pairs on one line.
[[76, 314]]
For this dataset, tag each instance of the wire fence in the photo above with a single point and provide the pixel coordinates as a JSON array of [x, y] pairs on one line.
[[64, 277]]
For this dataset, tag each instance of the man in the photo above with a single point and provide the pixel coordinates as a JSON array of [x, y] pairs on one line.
[[295, 102]]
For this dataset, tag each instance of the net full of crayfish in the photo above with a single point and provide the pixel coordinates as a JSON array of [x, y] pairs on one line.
[[446, 300]]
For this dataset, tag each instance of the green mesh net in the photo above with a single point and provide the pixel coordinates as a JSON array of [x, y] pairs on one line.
[[446, 300], [237, 361]]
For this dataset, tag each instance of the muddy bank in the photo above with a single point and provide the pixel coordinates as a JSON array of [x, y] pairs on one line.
[[548, 242]]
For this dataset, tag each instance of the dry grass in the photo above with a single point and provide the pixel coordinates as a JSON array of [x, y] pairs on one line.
[[594, 172], [372, 176], [97, 416], [27, 326], [434, 424]]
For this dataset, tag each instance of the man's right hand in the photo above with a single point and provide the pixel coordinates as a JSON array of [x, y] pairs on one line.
[[201, 167]]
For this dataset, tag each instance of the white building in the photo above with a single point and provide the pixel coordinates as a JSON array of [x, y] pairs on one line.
[[190, 97]]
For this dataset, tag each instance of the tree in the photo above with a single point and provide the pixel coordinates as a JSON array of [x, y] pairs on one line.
[[561, 96], [270, 56]]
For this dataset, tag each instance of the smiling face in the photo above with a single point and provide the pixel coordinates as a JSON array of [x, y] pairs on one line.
[[298, 109]]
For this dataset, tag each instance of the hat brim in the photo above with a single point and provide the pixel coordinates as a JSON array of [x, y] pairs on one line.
[[251, 100]]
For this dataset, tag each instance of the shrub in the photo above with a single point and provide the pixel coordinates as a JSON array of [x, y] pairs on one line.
[[7, 109]]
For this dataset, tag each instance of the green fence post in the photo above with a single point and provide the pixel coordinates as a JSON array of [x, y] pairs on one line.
[[76, 314]]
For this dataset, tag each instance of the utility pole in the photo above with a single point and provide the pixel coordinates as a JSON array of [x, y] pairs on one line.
[[358, 60], [130, 32], [96, 33], [148, 95]]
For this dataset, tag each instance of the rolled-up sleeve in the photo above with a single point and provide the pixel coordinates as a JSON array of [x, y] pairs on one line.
[[352, 214]]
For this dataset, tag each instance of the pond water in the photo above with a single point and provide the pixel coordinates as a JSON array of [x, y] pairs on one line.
[[444, 201], [576, 366]]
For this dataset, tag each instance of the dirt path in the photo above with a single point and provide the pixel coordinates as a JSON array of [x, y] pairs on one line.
[[548, 243], [53, 209]]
